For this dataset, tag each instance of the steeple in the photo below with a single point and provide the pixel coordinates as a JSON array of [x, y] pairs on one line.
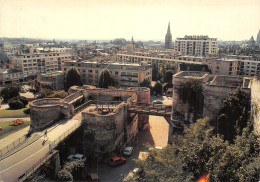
[[168, 38], [169, 29], [258, 38]]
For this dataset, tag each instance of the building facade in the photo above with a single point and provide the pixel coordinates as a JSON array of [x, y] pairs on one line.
[[196, 45], [222, 65], [54, 79], [8, 76], [40, 60], [124, 75]]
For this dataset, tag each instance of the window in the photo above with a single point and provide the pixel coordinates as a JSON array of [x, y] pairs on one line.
[[90, 71]]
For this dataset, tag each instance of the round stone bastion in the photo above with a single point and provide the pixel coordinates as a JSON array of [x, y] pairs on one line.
[[43, 111]]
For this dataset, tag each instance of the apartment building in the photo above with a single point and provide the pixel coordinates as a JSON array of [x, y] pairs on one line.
[[125, 75], [40, 60], [157, 59], [222, 66], [196, 45], [10, 76], [54, 79]]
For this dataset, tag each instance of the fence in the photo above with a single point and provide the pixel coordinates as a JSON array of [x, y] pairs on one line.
[[12, 145], [51, 147], [33, 168]]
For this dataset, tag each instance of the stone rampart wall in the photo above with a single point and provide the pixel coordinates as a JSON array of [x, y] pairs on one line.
[[255, 104], [104, 130]]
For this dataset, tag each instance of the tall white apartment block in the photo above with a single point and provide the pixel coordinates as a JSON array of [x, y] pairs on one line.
[[196, 45], [40, 60]]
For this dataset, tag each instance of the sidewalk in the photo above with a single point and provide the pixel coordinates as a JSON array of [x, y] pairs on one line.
[[12, 137]]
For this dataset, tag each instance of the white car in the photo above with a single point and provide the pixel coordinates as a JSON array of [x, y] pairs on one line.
[[76, 157], [128, 151], [157, 102]]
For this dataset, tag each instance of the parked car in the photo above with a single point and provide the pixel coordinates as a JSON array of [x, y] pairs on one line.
[[128, 151], [75, 157], [115, 161], [157, 102]]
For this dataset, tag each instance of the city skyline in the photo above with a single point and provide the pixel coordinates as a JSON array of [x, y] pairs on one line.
[[144, 20]]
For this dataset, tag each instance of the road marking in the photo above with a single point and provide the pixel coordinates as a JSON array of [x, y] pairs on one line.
[[24, 159]]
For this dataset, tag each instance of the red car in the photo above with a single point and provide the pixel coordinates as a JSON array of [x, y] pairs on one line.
[[115, 161]]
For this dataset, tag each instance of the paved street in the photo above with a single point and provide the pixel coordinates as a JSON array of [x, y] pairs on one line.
[[15, 165]]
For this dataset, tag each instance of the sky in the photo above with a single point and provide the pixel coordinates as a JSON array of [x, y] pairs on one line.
[[142, 19]]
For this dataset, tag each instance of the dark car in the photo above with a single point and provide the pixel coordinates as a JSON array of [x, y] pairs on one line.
[[115, 161]]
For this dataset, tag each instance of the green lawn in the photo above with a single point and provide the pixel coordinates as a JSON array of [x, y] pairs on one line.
[[8, 113], [11, 129]]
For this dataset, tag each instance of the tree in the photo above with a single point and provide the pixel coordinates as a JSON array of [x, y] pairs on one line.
[[72, 78], [9, 92], [17, 102], [191, 92], [233, 117], [154, 72], [168, 77], [145, 83], [105, 79], [119, 41], [157, 88], [199, 151]]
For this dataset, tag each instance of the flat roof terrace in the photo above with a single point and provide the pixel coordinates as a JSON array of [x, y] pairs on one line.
[[192, 74]]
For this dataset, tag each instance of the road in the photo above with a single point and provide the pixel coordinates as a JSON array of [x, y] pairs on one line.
[[15, 165]]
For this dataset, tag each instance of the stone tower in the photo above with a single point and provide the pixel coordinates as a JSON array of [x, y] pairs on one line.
[[258, 38], [168, 38]]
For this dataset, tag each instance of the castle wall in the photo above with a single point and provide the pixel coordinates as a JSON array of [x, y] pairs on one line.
[[103, 133], [143, 96], [215, 90], [255, 104], [43, 111]]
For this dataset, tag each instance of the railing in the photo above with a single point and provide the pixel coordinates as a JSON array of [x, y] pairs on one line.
[[81, 107], [12, 145], [52, 145], [86, 104], [35, 166], [63, 136], [72, 96], [151, 109]]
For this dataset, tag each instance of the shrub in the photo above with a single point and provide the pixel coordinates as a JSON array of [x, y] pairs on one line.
[[59, 94], [27, 111], [10, 92], [44, 93], [15, 104], [64, 175], [22, 99]]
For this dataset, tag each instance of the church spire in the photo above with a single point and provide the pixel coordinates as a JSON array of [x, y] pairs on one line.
[[169, 29], [168, 38]]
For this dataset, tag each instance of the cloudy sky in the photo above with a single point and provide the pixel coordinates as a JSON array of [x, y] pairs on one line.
[[144, 19]]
